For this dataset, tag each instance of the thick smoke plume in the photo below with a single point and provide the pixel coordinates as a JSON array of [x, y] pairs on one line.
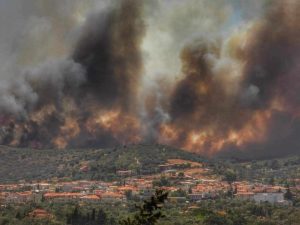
[[206, 76], [109, 50], [81, 100]]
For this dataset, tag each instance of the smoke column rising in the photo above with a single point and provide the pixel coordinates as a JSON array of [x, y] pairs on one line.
[[205, 76]]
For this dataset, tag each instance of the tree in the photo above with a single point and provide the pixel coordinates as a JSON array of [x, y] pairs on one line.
[[74, 217], [271, 181], [93, 216], [181, 174], [275, 165], [128, 194], [18, 216], [215, 219], [178, 193], [230, 176], [101, 217], [163, 181], [149, 211], [288, 195]]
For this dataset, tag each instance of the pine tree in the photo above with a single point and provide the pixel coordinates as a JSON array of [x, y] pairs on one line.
[[101, 218], [149, 211], [93, 216], [288, 195]]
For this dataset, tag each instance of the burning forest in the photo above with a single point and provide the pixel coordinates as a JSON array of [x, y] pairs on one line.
[[205, 76]]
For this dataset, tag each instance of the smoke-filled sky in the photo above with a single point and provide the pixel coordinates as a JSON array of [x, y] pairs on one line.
[[207, 76]]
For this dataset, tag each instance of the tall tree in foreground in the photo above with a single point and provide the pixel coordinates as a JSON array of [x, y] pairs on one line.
[[149, 212]]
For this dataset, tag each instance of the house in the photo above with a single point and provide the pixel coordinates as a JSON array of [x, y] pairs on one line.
[[170, 173], [112, 196], [90, 198], [37, 196], [40, 187], [245, 195], [66, 186], [98, 192], [19, 197], [195, 197], [269, 197], [124, 189], [40, 213], [167, 166], [9, 187], [84, 168], [62, 197], [146, 192]]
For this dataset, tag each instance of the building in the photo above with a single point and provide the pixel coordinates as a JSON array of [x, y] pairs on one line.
[[269, 197], [18, 197], [245, 195], [90, 198], [40, 187], [112, 197], [40, 213], [62, 197], [195, 197]]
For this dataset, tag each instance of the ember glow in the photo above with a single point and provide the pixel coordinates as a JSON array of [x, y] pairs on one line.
[[205, 76]]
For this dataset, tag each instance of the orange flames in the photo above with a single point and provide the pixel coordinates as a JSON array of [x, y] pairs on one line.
[[68, 131], [124, 128], [210, 140]]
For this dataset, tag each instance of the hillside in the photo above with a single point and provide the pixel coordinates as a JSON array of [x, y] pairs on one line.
[[276, 170], [31, 164]]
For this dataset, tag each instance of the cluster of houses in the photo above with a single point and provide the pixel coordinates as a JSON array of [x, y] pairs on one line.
[[83, 191], [187, 178], [261, 193]]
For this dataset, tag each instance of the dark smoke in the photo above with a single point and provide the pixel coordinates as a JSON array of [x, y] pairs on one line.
[[272, 72], [109, 50], [102, 74], [199, 102], [273, 55], [273, 67]]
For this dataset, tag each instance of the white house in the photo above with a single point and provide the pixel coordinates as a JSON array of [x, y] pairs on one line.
[[269, 197]]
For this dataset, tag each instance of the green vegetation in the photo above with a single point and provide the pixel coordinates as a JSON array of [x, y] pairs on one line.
[[224, 211], [149, 212], [102, 164], [62, 214], [273, 171]]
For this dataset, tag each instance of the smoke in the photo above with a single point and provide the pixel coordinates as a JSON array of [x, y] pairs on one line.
[[42, 85], [218, 118], [273, 55], [205, 76], [76, 95], [109, 50]]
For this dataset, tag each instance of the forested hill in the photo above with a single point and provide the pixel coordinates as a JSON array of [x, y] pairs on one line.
[[32, 164]]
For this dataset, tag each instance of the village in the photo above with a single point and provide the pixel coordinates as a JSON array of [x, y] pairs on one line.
[[187, 182]]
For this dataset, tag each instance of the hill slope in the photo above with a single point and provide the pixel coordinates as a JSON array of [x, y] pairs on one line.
[[31, 164]]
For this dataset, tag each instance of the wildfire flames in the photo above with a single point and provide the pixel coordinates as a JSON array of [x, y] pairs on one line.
[[238, 90], [255, 130]]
